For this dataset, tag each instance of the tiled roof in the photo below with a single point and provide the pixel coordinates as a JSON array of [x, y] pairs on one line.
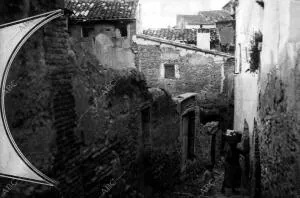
[[183, 46], [186, 35], [92, 10], [205, 17]]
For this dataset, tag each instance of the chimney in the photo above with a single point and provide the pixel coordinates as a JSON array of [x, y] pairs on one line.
[[203, 39]]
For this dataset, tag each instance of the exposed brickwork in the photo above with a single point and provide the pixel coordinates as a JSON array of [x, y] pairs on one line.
[[44, 76], [66, 164]]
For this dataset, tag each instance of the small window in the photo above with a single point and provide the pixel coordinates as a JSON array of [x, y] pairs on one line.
[[169, 71], [123, 31], [87, 31]]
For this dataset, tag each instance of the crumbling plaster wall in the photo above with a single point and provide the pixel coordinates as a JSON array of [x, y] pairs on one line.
[[273, 111], [106, 43], [248, 21], [279, 101]]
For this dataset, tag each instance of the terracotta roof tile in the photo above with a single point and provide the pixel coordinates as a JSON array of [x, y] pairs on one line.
[[91, 10], [188, 36]]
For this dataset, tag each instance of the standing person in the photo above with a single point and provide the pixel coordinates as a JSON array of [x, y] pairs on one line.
[[232, 169], [227, 154]]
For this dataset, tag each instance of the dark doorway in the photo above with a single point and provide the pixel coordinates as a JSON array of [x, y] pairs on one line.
[[189, 135], [213, 149], [146, 118]]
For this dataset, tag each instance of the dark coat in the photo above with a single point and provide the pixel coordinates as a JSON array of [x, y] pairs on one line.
[[232, 176]]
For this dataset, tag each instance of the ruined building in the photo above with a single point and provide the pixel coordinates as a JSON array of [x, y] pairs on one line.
[[106, 29], [179, 67], [200, 82]]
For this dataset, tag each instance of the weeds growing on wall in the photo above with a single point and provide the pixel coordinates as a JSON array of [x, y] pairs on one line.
[[255, 51]]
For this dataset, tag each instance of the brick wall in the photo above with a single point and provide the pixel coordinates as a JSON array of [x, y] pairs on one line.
[[43, 105], [66, 165]]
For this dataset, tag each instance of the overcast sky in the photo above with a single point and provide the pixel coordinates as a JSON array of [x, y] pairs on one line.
[[162, 13]]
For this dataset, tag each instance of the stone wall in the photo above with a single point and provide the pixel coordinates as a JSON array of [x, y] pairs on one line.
[[197, 72]]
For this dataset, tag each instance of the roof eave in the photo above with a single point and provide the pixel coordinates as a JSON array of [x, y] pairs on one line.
[[185, 46]]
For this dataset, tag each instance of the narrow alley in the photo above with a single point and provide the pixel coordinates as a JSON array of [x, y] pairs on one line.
[[150, 99]]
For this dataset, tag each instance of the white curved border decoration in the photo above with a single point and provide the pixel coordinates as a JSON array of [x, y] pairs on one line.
[[19, 171]]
